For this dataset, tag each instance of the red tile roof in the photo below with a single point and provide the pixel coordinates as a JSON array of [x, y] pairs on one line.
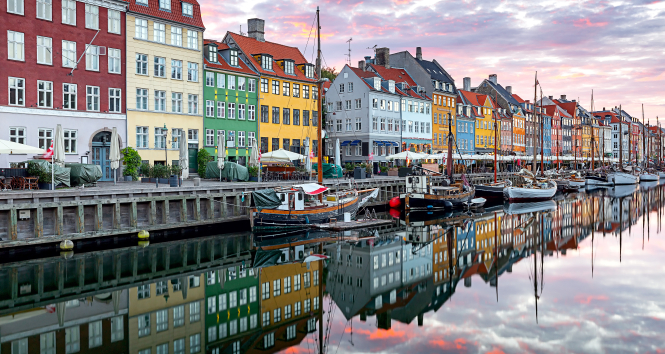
[[251, 47], [475, 98], [397, 75], [174, 15], [569, 107], [223, 64], [518, 98], [361, 73]]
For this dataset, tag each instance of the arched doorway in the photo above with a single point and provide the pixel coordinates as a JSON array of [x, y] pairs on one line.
[[101, 151]]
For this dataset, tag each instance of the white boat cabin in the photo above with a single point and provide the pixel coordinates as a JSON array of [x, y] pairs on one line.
[[291, 200], [418, 184]]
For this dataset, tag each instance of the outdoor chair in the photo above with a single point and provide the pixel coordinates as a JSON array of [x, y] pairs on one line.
[[6, 184], [32, 183], [18, 183]]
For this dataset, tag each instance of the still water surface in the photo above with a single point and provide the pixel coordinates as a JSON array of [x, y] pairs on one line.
[[581, 274]]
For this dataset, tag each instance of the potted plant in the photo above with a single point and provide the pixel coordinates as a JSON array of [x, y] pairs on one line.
[[132, 162], [368, 170], [36, 170], [202, 159], [253, 173], [161, 172], [384, 170], [147, 173]]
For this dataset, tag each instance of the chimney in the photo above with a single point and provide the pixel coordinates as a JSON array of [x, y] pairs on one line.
[[551, 97], [467, 84], [368, 59], [255, 29], [509, 89], [382, 57], [603, 108], [419, 53], [493, 78], [563, 97], [361, 65]]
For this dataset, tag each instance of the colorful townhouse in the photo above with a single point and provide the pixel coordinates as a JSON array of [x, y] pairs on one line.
[[612, 119], [440, 86], [505, 100], [164, 79], [231, 306], [556, 133], [363, 112], [484, 132], [465, 136], [230, 93], [414, 106], [546, 147], [287, 90], [50, 77], [442, 256], [571, 125], [486, 237]]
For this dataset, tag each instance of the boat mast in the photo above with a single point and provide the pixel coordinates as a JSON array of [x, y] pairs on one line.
[[319, 146], [644, 142], [593, 137], [533, 124], [449, 162], [496, 116], [620, 141], [630, 140], [542, 153]]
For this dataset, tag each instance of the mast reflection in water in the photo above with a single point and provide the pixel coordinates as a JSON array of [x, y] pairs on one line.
[[577, 274]]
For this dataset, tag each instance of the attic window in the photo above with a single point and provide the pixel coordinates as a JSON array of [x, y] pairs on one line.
[[288, 67], [212, 53], [309, 71], [234, 57], [187, 9], [142, 2], [165, 5], [266, 62]]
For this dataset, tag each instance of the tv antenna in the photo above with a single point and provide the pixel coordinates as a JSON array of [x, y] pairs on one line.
[[373, 48], [349, 55]]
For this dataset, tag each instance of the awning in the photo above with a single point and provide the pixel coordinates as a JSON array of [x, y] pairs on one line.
[[394, 143], [355, 143], [380, 143], [312, 188], [345, 143]]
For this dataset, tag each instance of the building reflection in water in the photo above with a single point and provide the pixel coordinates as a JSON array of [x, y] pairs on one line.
[[237, 294]]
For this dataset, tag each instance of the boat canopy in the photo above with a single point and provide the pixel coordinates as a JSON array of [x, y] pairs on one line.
[[266, 199], [312, 188]]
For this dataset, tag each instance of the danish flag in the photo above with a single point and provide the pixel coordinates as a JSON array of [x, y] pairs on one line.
[[49, 153]]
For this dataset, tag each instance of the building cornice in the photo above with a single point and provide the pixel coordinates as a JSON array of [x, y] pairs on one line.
[[62, 113]]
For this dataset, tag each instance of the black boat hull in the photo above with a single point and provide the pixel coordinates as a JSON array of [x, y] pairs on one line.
[[489, 192], [269, 220]]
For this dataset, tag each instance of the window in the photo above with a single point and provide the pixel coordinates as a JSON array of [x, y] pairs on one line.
[[286, 116], [251, 112], [269, 340], [165, 5], [92, 98], [68, 11], [287, 285], [241, 112], [276, 315], [113, 55], [241, 138], [232, 111], [232, 82], [192, 72], [178, 316], [45, 138], [160, 101], [275, 84], [296, 90], [276, 284], [176, 69], [114, 21], [341, 88], [193, 134], [308, 305], [17, 135], [210, 79], [44, 50], [212, 334], [15, 7], [241, 83], [176, 36], [195, 343], [141, 99], [176, 102], [69, 55], [15, 44], [193, 104], [44, 94], [187, 9], [91, 16], [297, 309], [287, 312], [266, 319], [159, 32], [72, 341], [179, 346], [160, 139], [47, 343], [192, 38], [144, 325], [141, 28], [92, 58], [161, 348], [142, 142], [286, 88]]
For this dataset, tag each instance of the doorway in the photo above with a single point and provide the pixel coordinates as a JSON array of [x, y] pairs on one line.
[[101, 151], [193, 150]]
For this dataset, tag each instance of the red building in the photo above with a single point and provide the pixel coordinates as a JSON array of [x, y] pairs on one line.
[[49, 78]]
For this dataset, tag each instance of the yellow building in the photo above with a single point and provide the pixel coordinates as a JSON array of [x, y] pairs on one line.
[[288, 94], [441, 259], [167, 316], [164, 79], [486, 237], [443, 113]]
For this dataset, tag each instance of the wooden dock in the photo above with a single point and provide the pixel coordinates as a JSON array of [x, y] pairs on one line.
[[355, 224]]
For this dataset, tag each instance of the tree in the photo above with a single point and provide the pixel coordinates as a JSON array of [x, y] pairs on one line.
[[329, 73]]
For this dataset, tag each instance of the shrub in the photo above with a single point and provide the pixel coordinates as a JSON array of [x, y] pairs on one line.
[[146, 170], [176, 170], [36, 170], [202, 159], [384, 169], [132, 162], [253, 171], [161, 171]]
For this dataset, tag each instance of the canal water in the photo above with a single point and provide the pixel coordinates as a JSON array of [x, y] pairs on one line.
[[582, 274]]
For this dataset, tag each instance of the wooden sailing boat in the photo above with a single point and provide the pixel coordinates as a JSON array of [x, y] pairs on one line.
[[301, 205], [646, 175], [493, 191], [619, 176], [594, 178]]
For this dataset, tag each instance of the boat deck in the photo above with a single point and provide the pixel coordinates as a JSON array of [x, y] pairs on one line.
[[355, 224]]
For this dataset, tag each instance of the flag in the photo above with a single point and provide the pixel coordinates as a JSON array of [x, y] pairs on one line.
[[49, 153]]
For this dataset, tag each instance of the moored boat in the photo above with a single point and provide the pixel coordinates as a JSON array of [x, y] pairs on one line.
[[648, 177], [599, 180], [421, 194], [533, 190], [622, 178], [491, 191]]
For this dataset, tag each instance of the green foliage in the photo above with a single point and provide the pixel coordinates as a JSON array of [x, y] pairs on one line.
[[202, 159], [384, 169], [35, 170], [176, 170], [349, 166], [146, 170], [132, 161], [253, 171], [161, 171], [329, 73]]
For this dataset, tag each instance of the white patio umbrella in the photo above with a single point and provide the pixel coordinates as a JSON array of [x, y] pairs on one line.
[[254, 155], [58, 156], [281, 155], [221, 153], [338, 156], [308, 161], [183, 158], [115, 154], [404, 155], [10, 147]]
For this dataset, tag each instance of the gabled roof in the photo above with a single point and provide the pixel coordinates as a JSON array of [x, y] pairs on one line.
[[518, 98], [174, 15], [568, 106], [474, 99], [363, 74], [222, 64], [436, 73], [397, 75], [251, 47], [502, 91]]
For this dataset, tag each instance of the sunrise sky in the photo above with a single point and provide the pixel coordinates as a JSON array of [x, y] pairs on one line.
[[614, 47]]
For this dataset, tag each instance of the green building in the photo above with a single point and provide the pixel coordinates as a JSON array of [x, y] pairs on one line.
[[230, 97], [232, 307]]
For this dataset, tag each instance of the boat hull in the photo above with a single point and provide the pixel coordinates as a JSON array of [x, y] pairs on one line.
[[661, 174], [597, 181], [518, 194], [274, 219], [489, 192], [621, 178], [422, 201], [649, 177], [577, 183]]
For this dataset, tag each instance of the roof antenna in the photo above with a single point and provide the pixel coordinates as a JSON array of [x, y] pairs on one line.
[[242, 34], [349, 55]]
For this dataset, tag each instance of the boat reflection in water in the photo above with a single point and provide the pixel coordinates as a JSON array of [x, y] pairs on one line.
[[248, 294]]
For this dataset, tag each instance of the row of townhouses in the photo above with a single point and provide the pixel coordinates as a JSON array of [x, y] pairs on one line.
[[145, 68]]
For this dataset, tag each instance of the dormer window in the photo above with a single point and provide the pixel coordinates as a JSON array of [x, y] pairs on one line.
[[288, 67], [233, 57], [391, 86], [187, 9], [212, 53], [266, 62], [142, 2], [165, 5], [377, 83], [309, 71]]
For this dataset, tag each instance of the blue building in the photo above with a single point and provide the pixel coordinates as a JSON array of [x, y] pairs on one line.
[[466, 243], [547, 135], [465, 129]]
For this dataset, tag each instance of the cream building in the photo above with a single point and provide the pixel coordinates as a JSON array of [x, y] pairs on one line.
[[164, 78], [166, 316]]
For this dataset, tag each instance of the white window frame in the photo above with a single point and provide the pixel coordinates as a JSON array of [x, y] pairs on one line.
[[221, 109], [18, 7], [142, 137], [187, 9], [115, 61], [115, 100], [92, 58], [251, 113], [176, 102], [192, 37], [92, 97], [142, 99], [193, 104], [141, 64], [68, 12], [176, 36], [45, 10], [44, 138], [15, 46], [210, 108], [176, 69], [67, 92], [160, 101], [141, 29], [114, 22], [91, 16], [159, 32], [71, 145], [47, 91], [192, 72]]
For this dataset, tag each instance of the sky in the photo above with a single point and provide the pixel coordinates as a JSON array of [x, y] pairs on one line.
[[614, 48]]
